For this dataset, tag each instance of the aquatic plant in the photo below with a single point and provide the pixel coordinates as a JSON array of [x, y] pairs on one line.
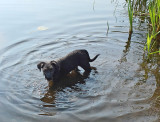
[[107, 28], [150, 43], [154, 13], [153, 17], [130, 14], [140, 6], [149, 39]]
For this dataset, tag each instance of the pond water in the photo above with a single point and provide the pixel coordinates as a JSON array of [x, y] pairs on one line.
[[123, 88]]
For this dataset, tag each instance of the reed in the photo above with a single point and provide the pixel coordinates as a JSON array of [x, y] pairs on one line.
[[149, 39], [154, 12], [130, 14], [158, 9], [107, 28], [153, 37], [150, 43], [153, 17]]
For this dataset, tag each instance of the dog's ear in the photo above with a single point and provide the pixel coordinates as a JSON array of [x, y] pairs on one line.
[[40, 65], [54, 63]]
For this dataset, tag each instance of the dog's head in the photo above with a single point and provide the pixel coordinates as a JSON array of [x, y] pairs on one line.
[[49, 70]]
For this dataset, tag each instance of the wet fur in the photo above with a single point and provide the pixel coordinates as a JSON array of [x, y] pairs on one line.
[[54, 70]]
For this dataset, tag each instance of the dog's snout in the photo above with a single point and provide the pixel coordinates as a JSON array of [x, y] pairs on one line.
[[48, 76]]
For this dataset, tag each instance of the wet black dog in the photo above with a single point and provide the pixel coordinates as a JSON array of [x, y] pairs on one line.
[[54, 70]]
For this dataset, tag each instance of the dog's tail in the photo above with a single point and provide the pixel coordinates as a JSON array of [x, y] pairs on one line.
[[91, 60]]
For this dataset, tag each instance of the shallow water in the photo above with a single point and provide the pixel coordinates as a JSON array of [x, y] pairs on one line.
[[123, 88]]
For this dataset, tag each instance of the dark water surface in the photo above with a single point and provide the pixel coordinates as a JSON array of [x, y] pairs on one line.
[[124, 88]]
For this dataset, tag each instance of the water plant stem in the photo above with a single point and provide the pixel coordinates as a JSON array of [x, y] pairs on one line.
[[130, 14], [154, 12]]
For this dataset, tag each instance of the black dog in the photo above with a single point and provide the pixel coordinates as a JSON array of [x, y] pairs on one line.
[[54, 70]]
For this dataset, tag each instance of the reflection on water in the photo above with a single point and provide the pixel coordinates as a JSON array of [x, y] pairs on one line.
[[70, 81], [125, 86]]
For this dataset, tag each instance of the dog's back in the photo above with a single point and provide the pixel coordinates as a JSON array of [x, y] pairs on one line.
[[75, 59]]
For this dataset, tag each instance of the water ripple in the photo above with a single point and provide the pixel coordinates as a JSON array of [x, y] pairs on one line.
[[110, 93]]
